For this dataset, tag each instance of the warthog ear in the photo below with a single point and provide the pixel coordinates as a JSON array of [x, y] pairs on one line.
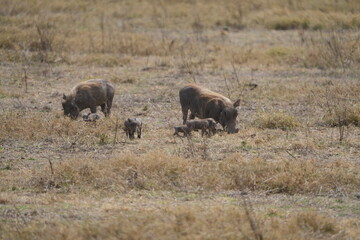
[[237, 103], [64, 96]]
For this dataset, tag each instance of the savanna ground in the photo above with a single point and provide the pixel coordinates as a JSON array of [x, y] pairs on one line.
[[292, 171]]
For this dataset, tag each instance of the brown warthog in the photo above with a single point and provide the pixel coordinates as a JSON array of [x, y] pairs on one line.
[[207, 126], [89, 94], [132, 125], [204, 103]]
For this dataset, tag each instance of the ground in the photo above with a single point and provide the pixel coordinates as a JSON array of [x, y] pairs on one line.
[[291, 172]]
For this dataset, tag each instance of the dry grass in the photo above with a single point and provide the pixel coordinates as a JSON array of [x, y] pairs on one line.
[[343, 117], [42, 126], [337, 49], [277, 120], [118, 29], [158, 171], [195, 222], [175, 216], [294, 65]]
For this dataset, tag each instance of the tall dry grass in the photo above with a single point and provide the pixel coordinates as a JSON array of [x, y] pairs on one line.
[[197, 221], [333, 49], [45, 126], [161, 171]]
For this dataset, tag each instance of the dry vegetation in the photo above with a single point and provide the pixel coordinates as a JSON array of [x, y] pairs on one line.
[[292, 171]]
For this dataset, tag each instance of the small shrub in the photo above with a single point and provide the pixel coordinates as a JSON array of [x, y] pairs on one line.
[[336, 49], [310, 221], [343, 117], [46, 33], [2, 94], [277, 120], [6, 42], [317, 26], [103, 139], [125, 79], [288, 23]]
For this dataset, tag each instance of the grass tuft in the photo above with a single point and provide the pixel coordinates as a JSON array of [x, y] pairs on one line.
[[277, 120], [342, 117], [288, 23], [312, 222]]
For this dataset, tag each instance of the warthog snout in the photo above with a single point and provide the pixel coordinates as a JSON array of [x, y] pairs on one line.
[[228, 119]]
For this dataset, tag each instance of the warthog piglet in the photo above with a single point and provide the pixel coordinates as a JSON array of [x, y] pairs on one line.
[[132, 125], [183, 129], [207, 126], [91, 117]]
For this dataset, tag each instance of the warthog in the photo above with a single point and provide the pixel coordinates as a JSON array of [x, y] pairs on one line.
[[207, 126], [132, 125], [184, 129], [89, 94], [91, 117], [204, 103]]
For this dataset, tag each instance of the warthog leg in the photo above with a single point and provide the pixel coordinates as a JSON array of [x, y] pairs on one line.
[[109, 104], [139, 132], [185, 111], [93, 109], [104, 109]]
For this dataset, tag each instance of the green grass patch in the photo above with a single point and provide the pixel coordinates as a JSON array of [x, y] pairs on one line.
[[278, 52]]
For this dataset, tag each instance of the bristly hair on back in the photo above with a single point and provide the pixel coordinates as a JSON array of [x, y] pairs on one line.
[[209, 95]]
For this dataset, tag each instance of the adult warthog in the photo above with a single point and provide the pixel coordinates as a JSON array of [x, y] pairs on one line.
[[89, 94], [204, 103]]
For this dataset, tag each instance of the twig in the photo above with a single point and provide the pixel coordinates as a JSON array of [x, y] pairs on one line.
[[102, 28], [290, 154], [191, 145], [59, 133], [226, 83], [254, 227], [193, 77], [205, 148], [51, 167], [25, 80], [235, 73], [116, 130]]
